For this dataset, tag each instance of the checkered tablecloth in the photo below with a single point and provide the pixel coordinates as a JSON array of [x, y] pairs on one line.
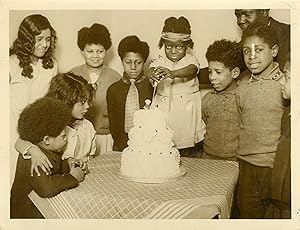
[[206, 190]]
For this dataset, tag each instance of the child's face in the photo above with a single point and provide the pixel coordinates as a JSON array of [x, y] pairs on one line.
[[258, 55], [175, 50], [57, 144], [286, 82], [94, 55], [80, 108], [42, 43], [133, 64], [220, 76]]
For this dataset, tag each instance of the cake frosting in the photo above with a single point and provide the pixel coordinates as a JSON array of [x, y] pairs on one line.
[[150, 152]]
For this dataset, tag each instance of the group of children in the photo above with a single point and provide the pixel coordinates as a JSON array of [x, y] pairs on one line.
[[234, 122]]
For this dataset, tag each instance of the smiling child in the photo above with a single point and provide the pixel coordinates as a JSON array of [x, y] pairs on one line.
[[219, 110]]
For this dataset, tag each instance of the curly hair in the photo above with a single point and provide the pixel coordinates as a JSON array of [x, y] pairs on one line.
[[44, 117], [97, 34], [23, 46], [70, 88], [227, 52], [267, 33], [180, 25], [133, 44]]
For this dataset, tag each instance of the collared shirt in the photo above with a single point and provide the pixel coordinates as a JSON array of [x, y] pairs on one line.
[[116, 98], [219, 113], [260, 107], [126, 80], [80, 135]]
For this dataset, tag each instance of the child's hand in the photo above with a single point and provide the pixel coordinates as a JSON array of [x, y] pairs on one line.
[[77, 172], [39, 159], [162, 73], [153, 74]]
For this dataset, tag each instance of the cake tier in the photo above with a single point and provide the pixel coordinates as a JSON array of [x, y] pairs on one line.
[[150, 163], [157, 137]]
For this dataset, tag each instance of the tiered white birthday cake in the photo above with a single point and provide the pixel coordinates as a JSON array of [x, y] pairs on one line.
[[150, 154]]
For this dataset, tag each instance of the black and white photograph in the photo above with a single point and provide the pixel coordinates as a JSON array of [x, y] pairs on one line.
[[167, 115]]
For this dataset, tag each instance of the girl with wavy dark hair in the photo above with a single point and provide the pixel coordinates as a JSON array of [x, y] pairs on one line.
[[31, 68]]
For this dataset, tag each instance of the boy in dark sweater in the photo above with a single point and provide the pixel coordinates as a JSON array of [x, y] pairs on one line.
[[43, 123], [133, 54]]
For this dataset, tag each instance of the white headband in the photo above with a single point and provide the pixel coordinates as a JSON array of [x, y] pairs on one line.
[[175, 36]]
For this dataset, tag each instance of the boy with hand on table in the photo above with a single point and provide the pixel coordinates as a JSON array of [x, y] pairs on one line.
[[43, 123], [219, 109]]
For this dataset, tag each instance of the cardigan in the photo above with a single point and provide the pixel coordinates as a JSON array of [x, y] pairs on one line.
[[116, 99]]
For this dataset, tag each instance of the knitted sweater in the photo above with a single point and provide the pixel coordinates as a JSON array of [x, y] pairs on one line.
[[260, 108]]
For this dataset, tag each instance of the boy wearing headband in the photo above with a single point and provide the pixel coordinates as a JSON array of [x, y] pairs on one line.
[[175, 71]]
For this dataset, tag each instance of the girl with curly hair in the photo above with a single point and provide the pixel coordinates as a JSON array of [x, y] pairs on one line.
[[31, 68], [94, 42]]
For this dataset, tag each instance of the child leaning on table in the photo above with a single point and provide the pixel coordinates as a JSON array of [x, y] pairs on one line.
[[44, 124], [219, 110], [175, 69], [260, 107], [77, 94]]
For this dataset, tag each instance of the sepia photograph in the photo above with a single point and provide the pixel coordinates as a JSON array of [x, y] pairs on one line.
[[153, 116]]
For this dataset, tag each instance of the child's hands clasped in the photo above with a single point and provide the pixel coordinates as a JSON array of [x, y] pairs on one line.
[[78, 163], [39, 159], [77, 172], [161, 73]]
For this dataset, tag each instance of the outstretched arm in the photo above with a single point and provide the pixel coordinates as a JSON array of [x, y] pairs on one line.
[[162, 73]]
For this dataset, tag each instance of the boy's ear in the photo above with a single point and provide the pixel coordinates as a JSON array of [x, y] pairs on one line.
[[275, 49], [47, 140], [265, 13], [235, 72]]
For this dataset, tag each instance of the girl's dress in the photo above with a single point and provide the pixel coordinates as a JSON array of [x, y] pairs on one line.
[[180, 98], [81, 137], [98, 114], [23, 91]]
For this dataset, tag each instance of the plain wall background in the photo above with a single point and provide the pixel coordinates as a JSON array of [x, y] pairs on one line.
[[206, 25]]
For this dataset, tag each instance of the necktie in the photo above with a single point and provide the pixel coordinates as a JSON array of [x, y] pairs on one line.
[[131, 105]]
